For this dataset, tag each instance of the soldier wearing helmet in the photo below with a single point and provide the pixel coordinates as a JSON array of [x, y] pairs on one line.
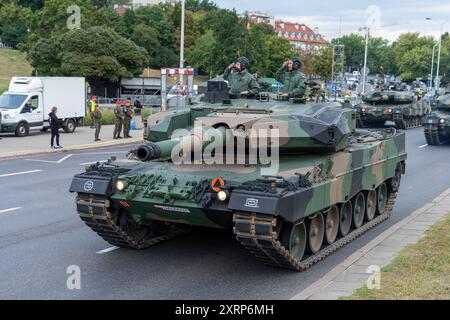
[[294, 81], [241, 82]]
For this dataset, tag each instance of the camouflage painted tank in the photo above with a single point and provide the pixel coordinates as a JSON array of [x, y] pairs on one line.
[[404, 108], [318, 185], [437, 124]]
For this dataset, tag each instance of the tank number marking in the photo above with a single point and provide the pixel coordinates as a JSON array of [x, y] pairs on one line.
[[174, 209], [251, 203], [88, 186]]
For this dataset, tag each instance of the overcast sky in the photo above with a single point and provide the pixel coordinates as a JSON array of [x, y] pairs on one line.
[[388, 18]]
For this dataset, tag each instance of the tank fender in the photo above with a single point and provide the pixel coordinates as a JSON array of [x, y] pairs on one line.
[[91, 184]]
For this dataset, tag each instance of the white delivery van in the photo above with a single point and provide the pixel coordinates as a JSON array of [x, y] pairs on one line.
[[29, 100]]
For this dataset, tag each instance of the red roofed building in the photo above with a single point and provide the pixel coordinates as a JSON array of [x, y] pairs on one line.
[[299, 35]]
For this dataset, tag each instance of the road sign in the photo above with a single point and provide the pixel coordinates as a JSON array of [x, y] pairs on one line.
[[333, 88]]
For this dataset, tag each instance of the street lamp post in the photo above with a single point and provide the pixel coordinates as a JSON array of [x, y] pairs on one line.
[[364, 75], [183, 9], [430, 85], [437, 81]]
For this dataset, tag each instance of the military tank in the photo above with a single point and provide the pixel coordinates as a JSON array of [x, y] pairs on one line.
[[405, 108], [319, 184], [437, 124]]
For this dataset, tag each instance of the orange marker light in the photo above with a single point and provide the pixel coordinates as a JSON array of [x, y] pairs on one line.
[[214, 184]]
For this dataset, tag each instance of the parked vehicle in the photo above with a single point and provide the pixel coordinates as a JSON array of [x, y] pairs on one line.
[[29, 100]]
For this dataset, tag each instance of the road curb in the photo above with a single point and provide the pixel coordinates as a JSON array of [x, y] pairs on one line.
[[319, 288], [90, 146]]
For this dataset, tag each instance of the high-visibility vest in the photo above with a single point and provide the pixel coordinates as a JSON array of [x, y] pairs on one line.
[[92, 106]]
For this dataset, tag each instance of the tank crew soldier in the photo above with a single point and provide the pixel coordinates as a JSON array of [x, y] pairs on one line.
[[294, 81], [241, 82], [91, 105], [97, 120], [128, 115], [118, 120]]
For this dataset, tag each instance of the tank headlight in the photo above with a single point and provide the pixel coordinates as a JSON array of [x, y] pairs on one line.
[[222, 195], [441, 121], [389, 110], [121, 185], [363, 109]]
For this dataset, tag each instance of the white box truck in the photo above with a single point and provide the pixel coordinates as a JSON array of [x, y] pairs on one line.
[[29, 100]]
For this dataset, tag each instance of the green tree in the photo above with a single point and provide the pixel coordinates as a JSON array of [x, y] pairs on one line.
[[415, 64], [96, 53], [321, 63], [159, 56], [354, 50], [13, 23], [200, 55]]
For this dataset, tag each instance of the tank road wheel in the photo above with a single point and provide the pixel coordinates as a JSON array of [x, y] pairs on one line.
[[293, 238], [135, 231], [382, 196], [331, 225], [345, 218], [371, 205], [315, 228], [359, 210]]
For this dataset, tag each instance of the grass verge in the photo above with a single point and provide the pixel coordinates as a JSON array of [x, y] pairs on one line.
[[420, 271], [12, 63]]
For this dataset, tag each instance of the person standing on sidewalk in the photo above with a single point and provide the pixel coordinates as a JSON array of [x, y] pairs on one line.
[[128, 115], [97, 120], [138, 114], [54, 126], [91, 105], [118, 120]]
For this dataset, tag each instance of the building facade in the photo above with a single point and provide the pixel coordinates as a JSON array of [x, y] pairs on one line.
[[299, 35]]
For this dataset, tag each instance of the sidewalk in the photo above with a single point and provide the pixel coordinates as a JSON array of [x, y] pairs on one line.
[[352, 273], [83, 138]]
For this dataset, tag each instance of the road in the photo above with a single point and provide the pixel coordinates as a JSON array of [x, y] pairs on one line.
[[41, 236]]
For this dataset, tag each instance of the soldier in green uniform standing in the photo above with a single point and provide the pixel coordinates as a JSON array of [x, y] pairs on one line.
[[128, 115], [294, 81], [118, 120], [241, 82], [97, 121]]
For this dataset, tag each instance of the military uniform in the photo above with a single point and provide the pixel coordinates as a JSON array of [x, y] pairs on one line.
[[240, 82], [294, 82], [128, 115], [118, 121], [97, 122]]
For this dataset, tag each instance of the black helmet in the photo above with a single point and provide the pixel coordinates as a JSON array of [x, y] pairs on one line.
[[244, 62], [296, 63]]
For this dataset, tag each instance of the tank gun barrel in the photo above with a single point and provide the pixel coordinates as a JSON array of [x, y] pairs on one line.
[[199, 138]]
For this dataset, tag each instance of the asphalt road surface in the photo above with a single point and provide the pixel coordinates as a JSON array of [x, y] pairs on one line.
[[41, 237]]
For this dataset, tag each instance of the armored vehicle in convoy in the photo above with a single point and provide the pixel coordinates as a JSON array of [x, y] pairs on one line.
[[405, 108], [437, 124], [293, 182]]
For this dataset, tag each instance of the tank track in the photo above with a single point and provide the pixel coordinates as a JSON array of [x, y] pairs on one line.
[[93, 210], [257, 233], [432, 136], [403, 122]]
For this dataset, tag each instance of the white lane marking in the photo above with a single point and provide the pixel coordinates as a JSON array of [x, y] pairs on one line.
[[18, 173], [97, 153], [425, 145], [54, 162], [93, 162], [9, 210], [107, 250], [65, 158]]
